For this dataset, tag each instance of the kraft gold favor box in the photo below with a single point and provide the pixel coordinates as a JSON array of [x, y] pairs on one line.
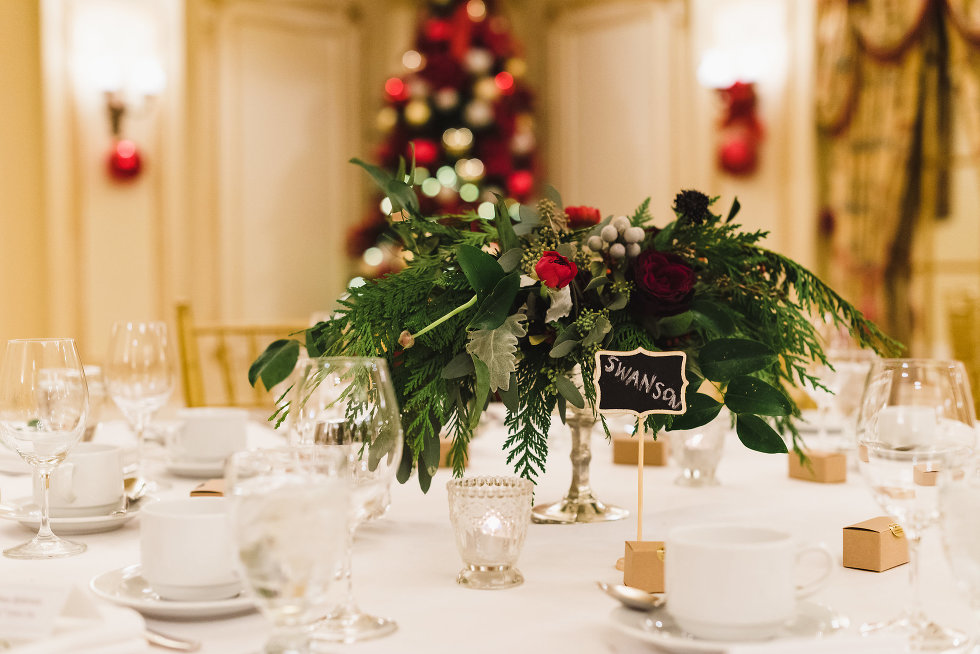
[[643, 567], [209, 488], [877, 544], [626, 449], [824, 467]]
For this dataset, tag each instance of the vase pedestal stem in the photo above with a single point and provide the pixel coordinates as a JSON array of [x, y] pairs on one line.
[[579, 503]]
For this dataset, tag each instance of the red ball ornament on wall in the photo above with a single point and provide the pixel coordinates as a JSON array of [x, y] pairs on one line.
[[520, 183], [426, 152], [124, 160], [738, 153]]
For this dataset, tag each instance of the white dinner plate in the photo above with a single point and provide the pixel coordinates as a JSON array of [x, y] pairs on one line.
[[127, 587], [196, 469], [24, 511], [657, 627]]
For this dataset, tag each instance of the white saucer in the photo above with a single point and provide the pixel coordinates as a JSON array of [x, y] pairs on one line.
[[24, 511], [657, 627], [196, 469], [128, 588]]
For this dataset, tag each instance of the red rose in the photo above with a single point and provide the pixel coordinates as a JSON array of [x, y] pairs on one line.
[[579, 217], [555, 270], [666, 282]]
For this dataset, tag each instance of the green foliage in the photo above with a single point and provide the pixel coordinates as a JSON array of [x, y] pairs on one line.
[[459, 324]]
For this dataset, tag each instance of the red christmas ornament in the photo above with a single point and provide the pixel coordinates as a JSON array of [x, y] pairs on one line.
[[124, 160], [741, 130], [520, 182], [426, 152], [438, 30]]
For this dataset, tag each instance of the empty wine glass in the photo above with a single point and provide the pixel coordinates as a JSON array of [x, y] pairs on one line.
[[915, 422], [289, 512], [349, 404], [43, 407], [139, 377], [837, 403]]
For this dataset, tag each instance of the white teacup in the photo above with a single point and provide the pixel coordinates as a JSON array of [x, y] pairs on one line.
[[209, 434], [734, 582], [186, 549], [88, 483]]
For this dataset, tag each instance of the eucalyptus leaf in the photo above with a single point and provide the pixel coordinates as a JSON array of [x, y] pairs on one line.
[[275, 363], [510, 259], [566, 250], [495, 309], [597, 282], [551, 193], [756, 434], [529, 220], [562, 406], [616, 302], [460, 365], [726, 358], [701, 409], [566, 387], [561, 349], [482, 270], [752, 395], [598, 331]]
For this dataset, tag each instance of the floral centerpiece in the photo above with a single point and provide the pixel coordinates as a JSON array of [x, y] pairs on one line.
[[507, 307]]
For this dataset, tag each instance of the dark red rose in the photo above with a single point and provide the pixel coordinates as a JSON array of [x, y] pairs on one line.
[[665, 281], [554, 270], [579, 217]]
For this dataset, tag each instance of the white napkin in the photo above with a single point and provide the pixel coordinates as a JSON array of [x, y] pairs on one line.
[[84, 627], [843, 644]]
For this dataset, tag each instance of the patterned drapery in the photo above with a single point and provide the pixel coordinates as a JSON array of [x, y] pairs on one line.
[[886, 74]]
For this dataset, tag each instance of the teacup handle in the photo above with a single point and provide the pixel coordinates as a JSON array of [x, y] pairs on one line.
[[804, 590]]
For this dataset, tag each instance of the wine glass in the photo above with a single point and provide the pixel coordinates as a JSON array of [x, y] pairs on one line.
[[43, 407], [915, 422], [289, 513], [349, 404], [837, 403], [960, 499], [139, 376]]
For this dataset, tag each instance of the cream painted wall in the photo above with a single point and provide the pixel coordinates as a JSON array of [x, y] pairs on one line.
[[23, 255]]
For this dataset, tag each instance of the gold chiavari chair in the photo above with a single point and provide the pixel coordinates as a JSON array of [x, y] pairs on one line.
[[215, 357], [964, 330]]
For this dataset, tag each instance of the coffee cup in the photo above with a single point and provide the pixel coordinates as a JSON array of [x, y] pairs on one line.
[[88, 483], [209, 434], [735, 582], [186, 551]]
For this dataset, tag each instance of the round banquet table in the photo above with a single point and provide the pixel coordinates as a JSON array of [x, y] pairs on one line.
[[405, 564]]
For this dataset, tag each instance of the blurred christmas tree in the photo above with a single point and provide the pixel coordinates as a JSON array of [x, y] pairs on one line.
[[461, 102]]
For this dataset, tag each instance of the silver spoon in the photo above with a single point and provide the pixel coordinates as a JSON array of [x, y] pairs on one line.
[[632, 598], [134, 488]]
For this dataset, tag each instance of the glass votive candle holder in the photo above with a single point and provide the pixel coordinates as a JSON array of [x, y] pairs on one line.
[[698, 451], [490, 516]]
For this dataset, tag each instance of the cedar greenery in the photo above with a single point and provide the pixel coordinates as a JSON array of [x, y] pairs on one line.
[[448, 322]]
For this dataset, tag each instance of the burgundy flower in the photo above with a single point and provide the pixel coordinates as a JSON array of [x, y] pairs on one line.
[[579, 217], [665, 281], [554, 270]]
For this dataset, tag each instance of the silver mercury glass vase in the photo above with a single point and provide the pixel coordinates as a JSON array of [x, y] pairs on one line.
[[580, 503]]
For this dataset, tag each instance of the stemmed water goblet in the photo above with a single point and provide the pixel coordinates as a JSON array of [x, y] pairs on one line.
[[289, 513], [43, 407], [842, 379], [349, 404], [915, 424], [960, 498], [139, 377]]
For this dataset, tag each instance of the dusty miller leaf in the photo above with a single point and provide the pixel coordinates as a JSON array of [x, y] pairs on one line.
[[497, 348], [561, 304]]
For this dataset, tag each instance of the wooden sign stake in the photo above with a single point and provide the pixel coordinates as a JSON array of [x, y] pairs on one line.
[[640, 382]]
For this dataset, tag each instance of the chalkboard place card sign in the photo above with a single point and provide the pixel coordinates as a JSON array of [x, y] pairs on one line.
[[640, 382]]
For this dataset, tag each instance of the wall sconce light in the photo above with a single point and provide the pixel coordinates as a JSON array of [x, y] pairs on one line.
[[147, 80], [740, 131]]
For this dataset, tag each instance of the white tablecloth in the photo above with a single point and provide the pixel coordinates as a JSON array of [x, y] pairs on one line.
[[405, 564]]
